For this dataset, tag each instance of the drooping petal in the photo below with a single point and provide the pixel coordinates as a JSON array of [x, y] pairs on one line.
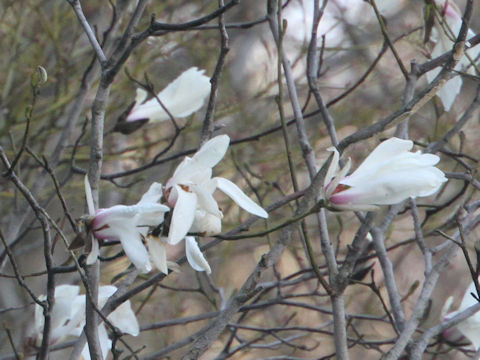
[[158, 254], [237, 195], [183, 215], [94, 252], [134, 248], [124, 319], [105, 343], [195, 257], [207, 223]]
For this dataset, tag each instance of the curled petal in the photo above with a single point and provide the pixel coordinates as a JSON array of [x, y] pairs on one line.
[[183, 215], [237, 195], [195, 257]]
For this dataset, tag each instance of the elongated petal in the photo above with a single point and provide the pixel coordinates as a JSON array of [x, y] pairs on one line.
[[333, 167], [134, 249], [195, 257], [158, 254], [89, 196], [212, 151], [94, 252], [183, 215], [237, 195]]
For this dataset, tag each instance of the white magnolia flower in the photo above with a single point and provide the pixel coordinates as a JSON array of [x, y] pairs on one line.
[[389, 175], [182, 97], [130, 223], [68, 317], [190, 192], [470, 327], [444, 34]]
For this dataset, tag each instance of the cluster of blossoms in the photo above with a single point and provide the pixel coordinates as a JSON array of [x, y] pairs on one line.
[[189, 196], [67, 318]]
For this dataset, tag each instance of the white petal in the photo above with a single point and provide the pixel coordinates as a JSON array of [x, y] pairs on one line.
[[135, 250], [93, 255], [206, 200], [382, 153], [187, 93], [89, 196], [158, 254], [124, 318], [212, 151], [105, 342], [183, 215], [153, 194], [104, 293], [333, 167], [207, 223], [195, 257], [449, 91], [237, 195], [140, 96]]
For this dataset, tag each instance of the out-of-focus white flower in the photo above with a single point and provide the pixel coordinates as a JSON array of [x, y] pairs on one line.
[[190, 192], [389, 175], [444, 35], [129, 223], [67, 314], [183, 96], [470, 327], [123, 318], [68, 317]]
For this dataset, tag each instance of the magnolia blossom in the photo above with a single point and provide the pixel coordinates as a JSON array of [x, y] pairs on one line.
[[190, 192], [130, 223], [68, 317], [183, 96], [470, 327], [444, 35], [389, 175]]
